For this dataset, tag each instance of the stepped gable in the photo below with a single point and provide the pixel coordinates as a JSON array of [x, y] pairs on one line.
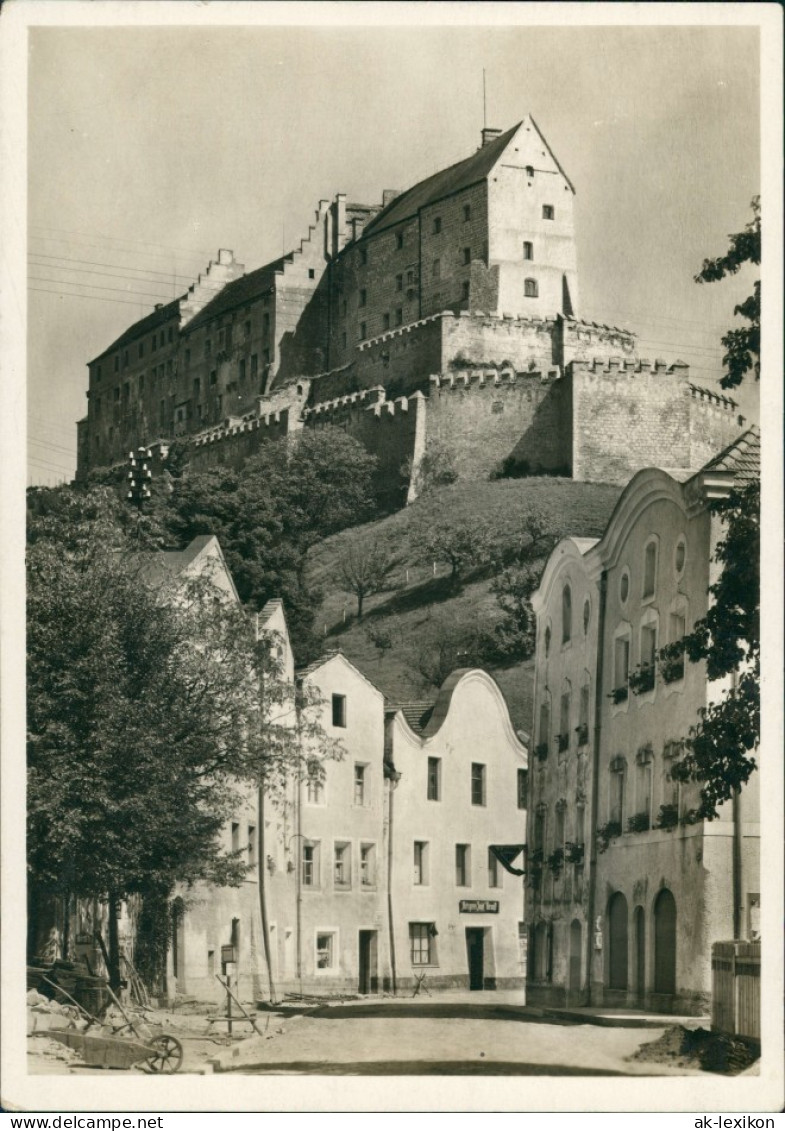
[[162, 313], [444, 183], [240, 291], [741, 458]]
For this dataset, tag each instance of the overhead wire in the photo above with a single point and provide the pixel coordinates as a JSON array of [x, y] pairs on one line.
[[196, 253], [138, 270]]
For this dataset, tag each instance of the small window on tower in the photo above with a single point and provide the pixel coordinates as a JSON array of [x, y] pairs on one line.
[[547, 211], [528, 249], [530, 288]]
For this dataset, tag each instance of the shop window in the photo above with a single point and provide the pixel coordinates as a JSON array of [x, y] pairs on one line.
[[422, 944]]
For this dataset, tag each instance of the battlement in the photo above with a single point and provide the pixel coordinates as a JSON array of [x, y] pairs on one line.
[[492, 378], [239, 425], [708, 396], [630, 367], [372, 400]]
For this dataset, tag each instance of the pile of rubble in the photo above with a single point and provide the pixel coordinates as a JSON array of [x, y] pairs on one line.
[[44, 1014]]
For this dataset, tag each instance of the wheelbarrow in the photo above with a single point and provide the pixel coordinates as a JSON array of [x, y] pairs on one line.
[[125, 1047]]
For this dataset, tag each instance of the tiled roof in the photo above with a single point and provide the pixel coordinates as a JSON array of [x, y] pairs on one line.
[[269, 608], [309, 669], [143, 326], [445, 183], [169, 563], [240, 291], [742, 458], [416, 712]]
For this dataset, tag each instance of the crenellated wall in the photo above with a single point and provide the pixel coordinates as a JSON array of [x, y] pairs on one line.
[[238, 438], [714, 423]]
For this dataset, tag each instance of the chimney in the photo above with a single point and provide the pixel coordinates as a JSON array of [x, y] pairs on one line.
[[389, 195], [488, 135], [225, 256]]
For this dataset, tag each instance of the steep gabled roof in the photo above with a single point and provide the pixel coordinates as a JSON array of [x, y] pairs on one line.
[[741, 458], [143, 326], [445, 183], [240, 291], [417, 713]]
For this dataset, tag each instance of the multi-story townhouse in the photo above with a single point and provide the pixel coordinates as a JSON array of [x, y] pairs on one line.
[[656, 886]]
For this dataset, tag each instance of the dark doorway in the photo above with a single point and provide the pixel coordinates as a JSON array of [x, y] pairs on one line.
[[368, 977], [576, 936], [639, 920], [617, 942], [665, 943], [475, 947]]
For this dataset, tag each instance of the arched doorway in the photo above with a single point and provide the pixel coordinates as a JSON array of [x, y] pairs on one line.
[[665, 943], [576, 937], [639, 927], [617, 942]]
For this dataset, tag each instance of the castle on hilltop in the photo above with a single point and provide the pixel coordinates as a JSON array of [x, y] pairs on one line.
[[446, 314]]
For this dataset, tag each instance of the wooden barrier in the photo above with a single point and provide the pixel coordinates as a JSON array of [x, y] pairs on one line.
[[735, 988]]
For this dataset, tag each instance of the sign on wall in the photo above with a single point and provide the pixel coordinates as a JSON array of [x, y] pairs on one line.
[[479, 906]]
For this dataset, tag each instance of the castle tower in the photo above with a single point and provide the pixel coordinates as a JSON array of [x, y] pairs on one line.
[[531, 234]]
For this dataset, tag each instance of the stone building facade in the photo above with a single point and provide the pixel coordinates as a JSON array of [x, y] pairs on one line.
[[465, 282], [626, 891]]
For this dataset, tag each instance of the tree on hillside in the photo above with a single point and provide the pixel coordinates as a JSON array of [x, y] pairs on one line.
[[718, 750], [460, 543], [266, 516], [146, 712], [742, 344], [363, 568]]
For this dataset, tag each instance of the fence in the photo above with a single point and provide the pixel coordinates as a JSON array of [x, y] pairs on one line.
[[735, 988]]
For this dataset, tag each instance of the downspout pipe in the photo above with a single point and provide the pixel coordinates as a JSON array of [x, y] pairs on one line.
[[263, 895], [736, 817], [595, 782], [393, 779]]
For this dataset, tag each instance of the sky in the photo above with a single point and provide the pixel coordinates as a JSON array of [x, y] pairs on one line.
[[149, 148]]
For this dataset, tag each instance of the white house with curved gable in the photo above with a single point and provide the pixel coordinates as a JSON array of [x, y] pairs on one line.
[[458, 786]]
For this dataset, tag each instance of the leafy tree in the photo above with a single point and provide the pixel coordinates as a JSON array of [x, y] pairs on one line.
[[461, 543], [514, 637], [147, 711], [364, 568], [454, 646], [742, 344], [718, 751]]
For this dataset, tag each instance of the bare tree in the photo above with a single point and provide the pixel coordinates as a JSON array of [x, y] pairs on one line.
[[364, 568]]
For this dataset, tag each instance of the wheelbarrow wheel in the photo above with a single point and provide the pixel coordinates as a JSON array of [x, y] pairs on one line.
[[168, 1056]]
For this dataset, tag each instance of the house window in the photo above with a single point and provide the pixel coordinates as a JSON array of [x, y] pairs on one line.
[[624, 587], [530, 288], [208, 347], [266, 325], [421, 944], [462, 865], [420, 862], [399, 316], [363, 297], [465, 290], [399, 240], [478, 783], [621, 663], [213, 377], [314, 786], [221, 338], [311, 273], [643, 775], [339, 710], [117, 363], [363, 331], [310, 864], [648, 645], [363, 256], [141, 349], [247, 329], [467, 256], [437, 225], [399, 282], [434, 779], [342, 865], [566, 614], [528, 249], [547, 212], [545, 726], [564, 722], [558, 837], [494, 871], [170, 333], [467, 213], [254, 366], [437, 269], [680, 556], [368, 865], [529, 170], [617, 790], [125, 359], [235, 836], [325, 950], [242, 368], [583, 716], [252, 847], [523, 788], [359, 783], [586, 616], [386, 321], [650, 569], [187, 357]]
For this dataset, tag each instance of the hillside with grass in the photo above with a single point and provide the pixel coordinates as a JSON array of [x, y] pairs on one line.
[[427, 619]]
